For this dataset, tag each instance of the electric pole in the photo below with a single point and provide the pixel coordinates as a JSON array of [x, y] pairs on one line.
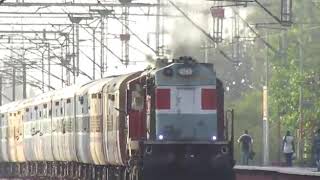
[[266, 114], [1, 90], [24, 80], [13, 83], [49, 67]]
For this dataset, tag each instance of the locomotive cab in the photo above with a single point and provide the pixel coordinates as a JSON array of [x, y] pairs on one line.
[[185, 103]]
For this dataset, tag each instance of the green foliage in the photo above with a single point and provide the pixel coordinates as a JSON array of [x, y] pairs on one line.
[[294, 74], [297, 75], [248, 117]]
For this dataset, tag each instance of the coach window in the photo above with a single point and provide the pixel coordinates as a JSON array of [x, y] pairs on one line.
[[45, 111], [4, 120], [61, 111], [40, 113], [62, 106], [68, 107], [56, 114], [111, 97], [80, 108], [29, 114], [88, 102], [79, 105], [36, 112], [85, 106], [81, 99]]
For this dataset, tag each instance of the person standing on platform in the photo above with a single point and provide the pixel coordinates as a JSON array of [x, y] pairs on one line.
[[246, 142], [288, 148], [316, 149]]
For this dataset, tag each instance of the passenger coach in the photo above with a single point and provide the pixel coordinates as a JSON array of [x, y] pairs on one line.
[[167, 120]]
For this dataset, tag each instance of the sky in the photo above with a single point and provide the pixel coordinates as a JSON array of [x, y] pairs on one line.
[[177, 32]]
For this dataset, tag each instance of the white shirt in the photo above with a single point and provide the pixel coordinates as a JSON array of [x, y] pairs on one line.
[[288, 148]]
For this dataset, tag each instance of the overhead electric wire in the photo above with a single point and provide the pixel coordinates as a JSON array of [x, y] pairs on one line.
[[113, 53], [29, 60], [256, 33], [268, 12], [81, 72], [203, 31], [35, 85], [71, 69], [89, 58], [133, 33]]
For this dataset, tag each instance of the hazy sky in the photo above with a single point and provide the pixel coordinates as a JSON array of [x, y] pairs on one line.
[[177, 30]]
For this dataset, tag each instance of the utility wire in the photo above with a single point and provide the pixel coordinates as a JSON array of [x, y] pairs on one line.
[[81, 72], [134, 34], [113, 53], [89, 58], [38, 67], [32, 84], [203, 31], [129, 29], [268, 12], [257, 34]]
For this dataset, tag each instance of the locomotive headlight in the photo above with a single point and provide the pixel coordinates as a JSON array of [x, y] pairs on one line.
[[160, 137], [214, 138], [185, 71]]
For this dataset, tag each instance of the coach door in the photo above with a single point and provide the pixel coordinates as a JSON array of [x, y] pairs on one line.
[[136, 111]]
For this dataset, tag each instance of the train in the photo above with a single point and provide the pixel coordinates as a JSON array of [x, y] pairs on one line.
[[166, 121]]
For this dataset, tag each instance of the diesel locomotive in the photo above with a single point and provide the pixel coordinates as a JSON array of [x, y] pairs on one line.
[[164, 122]]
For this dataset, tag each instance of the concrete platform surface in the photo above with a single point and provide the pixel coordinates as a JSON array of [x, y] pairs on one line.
[[282, 170]]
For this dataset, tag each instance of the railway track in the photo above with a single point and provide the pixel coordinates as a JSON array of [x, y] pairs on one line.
[[250, 173]]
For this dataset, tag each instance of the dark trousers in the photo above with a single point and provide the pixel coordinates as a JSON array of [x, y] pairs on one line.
[[288, 157], [245, 158], [317, 156]]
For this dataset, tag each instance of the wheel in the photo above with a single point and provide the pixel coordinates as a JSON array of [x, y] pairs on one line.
[[125, 175], [135, 174], [229, 175]]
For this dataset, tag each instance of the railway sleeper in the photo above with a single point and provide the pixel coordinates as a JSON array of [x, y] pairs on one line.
[[65, 170], [79, 171]]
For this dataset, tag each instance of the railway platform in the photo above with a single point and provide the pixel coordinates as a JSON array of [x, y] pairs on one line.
[[276, 173]]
